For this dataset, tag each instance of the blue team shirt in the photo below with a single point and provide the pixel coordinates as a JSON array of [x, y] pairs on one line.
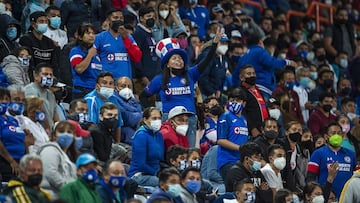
[[86, 79], [12, 136], [234, 129], [199, 15], [321, 158], [177, 94], [113, 54]]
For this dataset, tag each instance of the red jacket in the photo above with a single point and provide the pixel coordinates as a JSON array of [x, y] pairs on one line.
[[171, 137]]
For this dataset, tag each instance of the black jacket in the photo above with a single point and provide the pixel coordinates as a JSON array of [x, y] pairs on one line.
[[102, 139], [7, 46]]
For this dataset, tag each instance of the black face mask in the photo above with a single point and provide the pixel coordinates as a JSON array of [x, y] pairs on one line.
[[116, 24], [327, 108], [341, 21], [150, 22], [295, 137], [177, 72], [109, 123], [270, 135], [308, 144], [345, 91], [136, 6], [34, 180], [321, 57], [216, 110], [328, 83], [251, 80]]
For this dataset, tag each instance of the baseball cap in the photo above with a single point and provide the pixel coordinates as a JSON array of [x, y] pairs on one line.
[[217, 8], [35, 15], [272, 101], [178, 110], [78, 130], [236, 33], [84, 159]]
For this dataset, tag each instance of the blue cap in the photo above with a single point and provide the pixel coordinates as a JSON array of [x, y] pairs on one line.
[[224, 38], [85, 159]]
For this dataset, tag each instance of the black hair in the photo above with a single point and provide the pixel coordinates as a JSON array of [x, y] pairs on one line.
[[111, 11], [269, 41], [310, 187], [17, 50], [41, 65], [74, 102], [145, 10], [147, 113], [346, 100], [286, 71], [280, 195], [187, 170], [253, 39], [166, 173], [4, 92], [271, 149], [267, 120], [324, 95], [104, 74], [191, 150], [51, 7], [243, 68], [238, 185], [174, 151], [248, 149], [334, 123], [81, 30], [237, 93], [107, 166]]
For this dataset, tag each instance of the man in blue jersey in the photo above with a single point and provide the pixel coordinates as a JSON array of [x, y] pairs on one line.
[[116, 47], [232, 131], [103, 92], [325, 156]]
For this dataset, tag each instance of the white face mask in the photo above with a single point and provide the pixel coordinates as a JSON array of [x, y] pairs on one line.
[[2, 7], [280, 163], [282, 56], [274, 113], [155, 125], [351, 116], [222, 49], [164, 13], [106, 92], [182, 129], [344, 63], [318, 199], [126, 93]]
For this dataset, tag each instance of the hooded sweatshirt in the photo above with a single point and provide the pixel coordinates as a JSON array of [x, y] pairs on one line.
[[16, 72], [7, 45], [350, 192]]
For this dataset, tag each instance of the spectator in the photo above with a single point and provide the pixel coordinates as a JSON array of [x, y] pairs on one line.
[[350, 191], [148, 149], [54, 32], [30, 8], [16, 66], [348, 140], [83, 141], [348, 108], [313, 192], [16, 105], [340, 64], [85, 64], [10, 32], [27, 187], [78, 111], [232, 132], [83, 188], [343, 91], [176, 156], [57, 157], [191, 184], [244, 191], [324, 84], [123, 48], [283, 196]]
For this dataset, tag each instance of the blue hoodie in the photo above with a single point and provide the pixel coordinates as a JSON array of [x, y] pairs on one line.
[[159, 193]]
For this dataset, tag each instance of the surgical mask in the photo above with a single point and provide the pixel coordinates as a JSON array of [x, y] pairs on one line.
[[289, 85], [280, 163], [275, 113], [310, 56], [126, 93], [345, 128], [106, 92], [318, 199], [282, 56], [313, 75], [164, 13], [78, 142], [55, 22], [109, 123], [40, 116], [335, 140], [193, 186], [24, 61], [16, 107], [181, 129], [11, 33], [155, 125], [235, 107], [65, 139], [174, 190], [34, 180], [351, 116], [90, 176], [307, 83], [41, 28], [117, 181], [150, 22], [222, 49], [250, 197], [295, 137], [344, 63], [255, 166], [8, 13], [46, 82], [3, 108], [245, 26], [183, 43]]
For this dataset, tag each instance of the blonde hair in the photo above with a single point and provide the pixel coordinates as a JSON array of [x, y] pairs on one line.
[[32, 103]]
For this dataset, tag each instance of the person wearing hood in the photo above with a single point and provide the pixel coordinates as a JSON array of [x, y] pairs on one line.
[[350, 192], [58, 156], [10, 30], [31, 7]]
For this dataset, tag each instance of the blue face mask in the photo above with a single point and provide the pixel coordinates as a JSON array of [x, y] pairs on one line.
[[174, 190], [16, 107], [235, 59], [41, 28], [3, 108], [255, 166], [117, 181], [46, 82], [40, 116], [65, 140], [11, 33], [235, 107], [289, 85], [250, 197], [90, 176], [303, 54], [193, 186], [24, 61], [78, 142], [55, 22]]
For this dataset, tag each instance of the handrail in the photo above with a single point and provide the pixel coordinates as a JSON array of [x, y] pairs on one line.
[[253, 3]]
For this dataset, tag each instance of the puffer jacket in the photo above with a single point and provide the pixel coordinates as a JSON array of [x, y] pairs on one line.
[[16, 72]]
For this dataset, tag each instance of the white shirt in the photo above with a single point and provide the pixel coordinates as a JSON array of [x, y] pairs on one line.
[[58, 36], [274, 180], [303, 99]]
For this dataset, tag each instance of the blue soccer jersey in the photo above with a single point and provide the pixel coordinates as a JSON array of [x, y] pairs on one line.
[[12, 136]]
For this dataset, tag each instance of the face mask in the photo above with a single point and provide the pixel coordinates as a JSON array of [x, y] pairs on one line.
[[245, 26], [222, 49], [126, 93], [116, 24], [303, 53], [250, 197], [181, 129], [216, 110], [321, 57], [305, 82], [65, 140], [282, 56], [41, 28], [344, 63], [235, 58], [193, 2], [335, 140], [136, 6], [313, 75], [195, 164], [310, 56], [16, 107], [155, 125], [24, 61], [255, 166], [251, 80], [117, 181], [150, 22], [90, 176], [55, 22], [280, 163], [106, 92], [177, 72], [2, 7], [193, 186], [183, 43], [174, 190], [345, 91], [289, 85], [271, 134], [81, 117], [351, 116], [308, 144], [327, 108], [182, 165], [46, 82], [3, 108], [295, 137], [78, 142], [34, 180], [328, 83], [40, 116], [318, 199], [164, 13], [235, 107], [109, 123], [275, 113], [345, 128], [11, 33], [8, 13]]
